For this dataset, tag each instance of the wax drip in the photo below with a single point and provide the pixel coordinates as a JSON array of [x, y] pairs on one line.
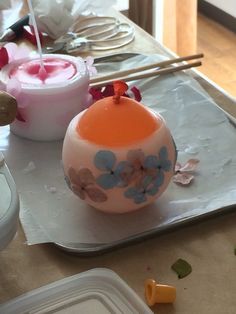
[[42, 72], [120, 87]]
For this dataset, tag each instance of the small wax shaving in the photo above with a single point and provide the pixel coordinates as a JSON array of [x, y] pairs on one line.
[[30, 167], [50, 189], [226, 161], [204, 138], [192, 150]]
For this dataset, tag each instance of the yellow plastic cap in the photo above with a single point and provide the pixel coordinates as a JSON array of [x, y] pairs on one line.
[[156, 293]]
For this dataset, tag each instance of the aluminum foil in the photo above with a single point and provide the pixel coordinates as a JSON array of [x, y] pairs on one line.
[[51, 213]]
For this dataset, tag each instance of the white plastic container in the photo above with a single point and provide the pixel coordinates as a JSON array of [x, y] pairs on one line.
[[97, 291], [9, 205], [47, 109]]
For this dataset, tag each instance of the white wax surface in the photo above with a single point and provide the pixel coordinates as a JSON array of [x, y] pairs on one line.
[[56, 71]]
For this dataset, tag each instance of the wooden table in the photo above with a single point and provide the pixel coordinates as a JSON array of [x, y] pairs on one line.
[[208, 246]]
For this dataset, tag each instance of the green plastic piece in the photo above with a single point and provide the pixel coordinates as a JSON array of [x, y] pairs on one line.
[[182, 268]]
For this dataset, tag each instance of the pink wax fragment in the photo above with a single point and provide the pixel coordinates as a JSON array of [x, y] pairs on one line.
[[42, 73]]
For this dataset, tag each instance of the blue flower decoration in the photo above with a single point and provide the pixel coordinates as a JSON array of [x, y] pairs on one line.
[[114, 176], [159, 165], [139, 193]]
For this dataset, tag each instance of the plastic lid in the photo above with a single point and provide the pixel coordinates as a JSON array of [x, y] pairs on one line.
[[9, 205], [99, 291]]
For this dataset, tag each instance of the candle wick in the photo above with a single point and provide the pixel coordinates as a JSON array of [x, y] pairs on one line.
[[116, 99], [36, 33], [120, 88]]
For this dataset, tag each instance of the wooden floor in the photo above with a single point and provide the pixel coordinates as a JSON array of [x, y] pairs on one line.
[[219, 47]]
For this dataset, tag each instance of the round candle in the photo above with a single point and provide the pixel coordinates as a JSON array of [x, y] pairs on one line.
[[118, 156], [49, 97]]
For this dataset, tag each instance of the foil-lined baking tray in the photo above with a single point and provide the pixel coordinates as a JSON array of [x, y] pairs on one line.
[[51, 213]]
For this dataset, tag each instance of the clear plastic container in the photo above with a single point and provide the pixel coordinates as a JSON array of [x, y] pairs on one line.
[[9, 205], [99, 291]]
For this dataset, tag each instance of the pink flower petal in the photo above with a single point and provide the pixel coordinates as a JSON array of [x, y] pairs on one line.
[[89, 60], [92, 71], [78, 191], [96, 93], [86, 176], [4, 57], [91, 68], [137, 94], [22, 52], [19, 116], [183, 178], [11, 50], [96, 194], [29, 34], [189, 166], [177, 166], [16, 52], [14, 88], [73, 177], [108, 90]]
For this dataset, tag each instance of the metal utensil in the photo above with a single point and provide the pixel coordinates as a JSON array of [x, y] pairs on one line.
[[94, 33], [15, 30], [117, 57]]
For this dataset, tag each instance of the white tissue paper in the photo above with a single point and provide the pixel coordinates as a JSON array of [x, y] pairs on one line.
[[55, 17], [5, 4]]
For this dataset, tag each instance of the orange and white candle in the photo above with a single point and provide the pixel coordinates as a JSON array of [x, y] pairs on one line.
[[118, 155]]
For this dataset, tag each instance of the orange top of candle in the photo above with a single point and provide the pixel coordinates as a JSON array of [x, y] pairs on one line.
[[117, 121]]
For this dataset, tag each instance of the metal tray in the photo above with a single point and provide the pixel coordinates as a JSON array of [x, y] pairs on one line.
[[50, 213]]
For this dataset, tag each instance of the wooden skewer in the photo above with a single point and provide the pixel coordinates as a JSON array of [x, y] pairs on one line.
[[149, 74], [145, 67]]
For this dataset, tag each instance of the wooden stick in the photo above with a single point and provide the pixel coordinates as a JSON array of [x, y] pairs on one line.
[[149, 74], [112, 76]]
